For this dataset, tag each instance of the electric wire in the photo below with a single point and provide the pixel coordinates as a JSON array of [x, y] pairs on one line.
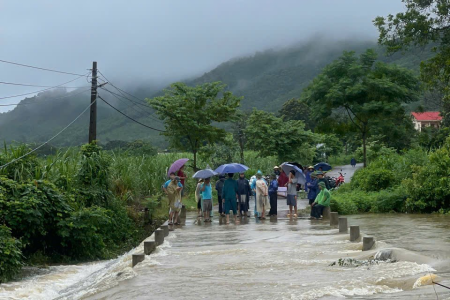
[[40, 91], [122, 92], [44, 86], [39, 68], [125, 115], [48, 141], [56, 98], [135, 103]]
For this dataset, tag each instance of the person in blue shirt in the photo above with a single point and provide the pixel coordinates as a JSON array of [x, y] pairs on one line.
[[312, 188], [172, 188], [273, 190], [206, 191]]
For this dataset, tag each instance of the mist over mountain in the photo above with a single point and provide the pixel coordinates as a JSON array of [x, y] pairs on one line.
[[265, 79]]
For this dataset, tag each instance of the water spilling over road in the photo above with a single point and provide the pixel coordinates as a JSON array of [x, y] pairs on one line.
[[288, 259]]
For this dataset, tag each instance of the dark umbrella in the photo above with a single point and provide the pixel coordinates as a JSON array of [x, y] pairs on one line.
[[323, 165]]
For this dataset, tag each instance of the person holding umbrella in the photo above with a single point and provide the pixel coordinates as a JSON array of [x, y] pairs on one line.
[[206, 191], [292, 194], [173, 188], [230, 196]]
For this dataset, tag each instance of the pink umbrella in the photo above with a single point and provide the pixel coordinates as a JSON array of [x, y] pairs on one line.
[[177, 165]]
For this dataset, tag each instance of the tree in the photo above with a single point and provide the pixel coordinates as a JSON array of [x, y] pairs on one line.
[[220, 153], [423, 23], [270, 135], [330, 145], [239, 126], [188, 114], [366, 90], [296, 109]]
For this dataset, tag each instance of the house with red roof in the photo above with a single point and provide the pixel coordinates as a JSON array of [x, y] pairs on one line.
[[426, 119]]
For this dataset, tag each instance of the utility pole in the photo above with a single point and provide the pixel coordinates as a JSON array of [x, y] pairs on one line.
[[93, 114]]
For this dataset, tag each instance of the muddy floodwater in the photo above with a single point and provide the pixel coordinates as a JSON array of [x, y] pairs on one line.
[[263, 260]]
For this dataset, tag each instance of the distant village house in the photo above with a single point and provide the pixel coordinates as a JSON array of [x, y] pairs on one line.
[[426, 119]]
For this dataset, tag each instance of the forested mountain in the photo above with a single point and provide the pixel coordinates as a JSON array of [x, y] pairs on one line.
[[266, 80]]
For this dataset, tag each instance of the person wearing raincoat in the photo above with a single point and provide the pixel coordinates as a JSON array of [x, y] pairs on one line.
[[173, 188], [322, 200], [308, 174], [312, 189], [262, 196], [273, 190], [230, 196]]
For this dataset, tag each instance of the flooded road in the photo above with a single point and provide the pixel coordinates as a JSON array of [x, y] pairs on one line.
[[290, 260], [263, 260], [287, 259]]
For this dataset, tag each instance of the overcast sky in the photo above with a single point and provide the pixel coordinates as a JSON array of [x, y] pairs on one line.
[[154, 41]]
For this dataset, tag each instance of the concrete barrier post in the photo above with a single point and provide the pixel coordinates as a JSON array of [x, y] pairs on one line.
[[149, 247], [343, 225], [137, 258], [183, 212], [165, 228], [159, 237], [334, 219], [326, 213], [354, 233], [368, 242]]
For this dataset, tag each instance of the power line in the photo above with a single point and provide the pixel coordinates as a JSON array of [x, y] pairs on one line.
[[129, 116], [122, 92], [139, 111], [39, 68], [57, 98], [40, 91], [45, 86], [52, 138]]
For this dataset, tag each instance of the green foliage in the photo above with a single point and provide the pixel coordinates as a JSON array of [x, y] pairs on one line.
[[368, 91], [433, 138], [10, 255], [345, 201], [330, 145], [428, 189], [297, 109], [32, 210], [220, 153], [423, 23], [84, 232], [189, 113], [138, 147], [270, 135], [373, 179], [21, 169]]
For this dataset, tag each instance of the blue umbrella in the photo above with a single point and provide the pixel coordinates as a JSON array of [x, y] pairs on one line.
[[323, 165], [301, 179], [231, 168]]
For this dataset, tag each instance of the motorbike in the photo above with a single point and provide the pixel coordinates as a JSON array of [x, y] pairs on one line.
[[340, 180]]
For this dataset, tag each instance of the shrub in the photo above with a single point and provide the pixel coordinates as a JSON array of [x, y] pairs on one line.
[[10, 255], [32, 210], [428, 189], [374, 179]]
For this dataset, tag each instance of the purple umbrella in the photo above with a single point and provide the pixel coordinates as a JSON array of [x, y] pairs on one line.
[[177, 165]]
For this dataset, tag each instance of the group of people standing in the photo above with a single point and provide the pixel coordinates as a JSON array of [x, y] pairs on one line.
[[234, 195]]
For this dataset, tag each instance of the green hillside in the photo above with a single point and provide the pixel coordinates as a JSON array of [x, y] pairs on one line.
[[266, 80]]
